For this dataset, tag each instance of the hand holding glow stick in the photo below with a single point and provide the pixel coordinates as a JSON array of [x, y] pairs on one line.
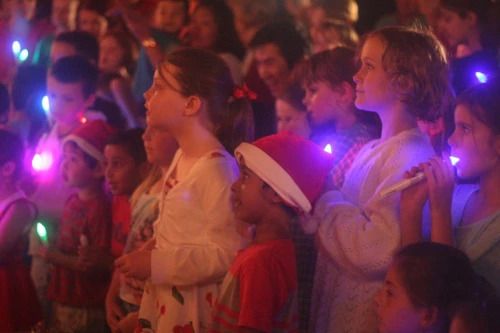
[[405, 183]]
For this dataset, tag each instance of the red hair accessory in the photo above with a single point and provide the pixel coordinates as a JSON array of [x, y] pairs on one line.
[[244, 92]]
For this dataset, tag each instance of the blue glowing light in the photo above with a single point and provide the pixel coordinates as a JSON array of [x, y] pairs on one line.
[[454, 160], [16, 47], [481, 77], [45, 104], [328, 148], [23, 55]]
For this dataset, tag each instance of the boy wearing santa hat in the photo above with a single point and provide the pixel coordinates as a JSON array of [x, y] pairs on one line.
[[281, 177], [78, 288]]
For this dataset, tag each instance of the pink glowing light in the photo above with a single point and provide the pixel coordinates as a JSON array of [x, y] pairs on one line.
[[42, 161]]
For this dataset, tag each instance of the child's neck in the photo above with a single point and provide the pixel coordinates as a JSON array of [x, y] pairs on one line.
[[489, 189], [63, 129], [396, 120], [347, 120], [273, 227], [7, 189], [196, 141], [90, 191]]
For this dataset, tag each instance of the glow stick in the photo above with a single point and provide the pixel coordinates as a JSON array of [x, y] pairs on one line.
[[41, 231], [405, 183]]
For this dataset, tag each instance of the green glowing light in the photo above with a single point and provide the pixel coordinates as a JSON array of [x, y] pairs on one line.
[[41, 232]]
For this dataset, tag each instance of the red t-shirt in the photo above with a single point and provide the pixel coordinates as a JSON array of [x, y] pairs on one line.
[[260, 290], [93, 219], [122, 217]]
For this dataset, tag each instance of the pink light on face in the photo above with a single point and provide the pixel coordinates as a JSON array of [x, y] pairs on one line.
[[454, 160], [42, 161]]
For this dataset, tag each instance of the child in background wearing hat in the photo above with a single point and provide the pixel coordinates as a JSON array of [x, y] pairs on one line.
[[77, 288], [259, 293]]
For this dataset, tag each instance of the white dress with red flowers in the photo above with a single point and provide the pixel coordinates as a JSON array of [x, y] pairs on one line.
[[196, 241]]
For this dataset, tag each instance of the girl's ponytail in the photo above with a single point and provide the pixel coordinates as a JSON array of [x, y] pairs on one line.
[[238, 124]]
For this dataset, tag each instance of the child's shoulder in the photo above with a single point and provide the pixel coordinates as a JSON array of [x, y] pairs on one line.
[[266, 254]]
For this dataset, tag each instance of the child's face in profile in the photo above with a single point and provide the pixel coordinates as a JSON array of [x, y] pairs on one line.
[[395, 311], [122, 172], [374, 90], [169, 16], [76, 171], [247, 197], [160, 146], [291, 119], [474, 144], [67, 101], [322, 102]]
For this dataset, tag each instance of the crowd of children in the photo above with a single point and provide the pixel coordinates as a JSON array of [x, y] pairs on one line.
[[230, 166]]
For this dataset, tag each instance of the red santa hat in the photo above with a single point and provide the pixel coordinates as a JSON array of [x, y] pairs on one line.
[[294, 167], [92, 137]]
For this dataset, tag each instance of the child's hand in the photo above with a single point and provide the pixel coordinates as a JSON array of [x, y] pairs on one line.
[[136, 264], [415, 196], [42, 251], [129, 323], [95, 258], [136, 285], [441, 181]]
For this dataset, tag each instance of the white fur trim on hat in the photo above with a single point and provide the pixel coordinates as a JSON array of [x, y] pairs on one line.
[[274, 175], [85, 146]]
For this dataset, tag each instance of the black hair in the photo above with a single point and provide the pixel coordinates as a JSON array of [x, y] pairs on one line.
[[483, 100], [4, 104], [286, 37], [76, 69], [11, 150], [435, 274], [85, 44], [227, 39], [131, 141]]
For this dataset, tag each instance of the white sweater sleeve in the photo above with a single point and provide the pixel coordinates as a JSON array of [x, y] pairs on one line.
[[362, 238], [207, 261]]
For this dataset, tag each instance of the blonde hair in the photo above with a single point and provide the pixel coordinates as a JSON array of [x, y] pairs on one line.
[[417, 65], [154, 175]]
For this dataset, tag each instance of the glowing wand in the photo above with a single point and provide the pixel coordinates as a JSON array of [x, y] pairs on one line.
[[405, 183]]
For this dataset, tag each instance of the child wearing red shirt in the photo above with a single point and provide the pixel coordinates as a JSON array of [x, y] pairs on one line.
[[78, 286], [259, 294]]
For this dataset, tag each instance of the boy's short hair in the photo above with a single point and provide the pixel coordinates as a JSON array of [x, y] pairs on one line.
[[85, 44], [295, 168], [76, 69], [286, 37], [11, 150], [131, 140]]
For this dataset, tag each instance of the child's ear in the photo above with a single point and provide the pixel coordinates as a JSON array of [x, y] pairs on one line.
[[193, 105], [271, 195], [429, 316], [471, 19], [8, 169], [348, 94], [99, 170]]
